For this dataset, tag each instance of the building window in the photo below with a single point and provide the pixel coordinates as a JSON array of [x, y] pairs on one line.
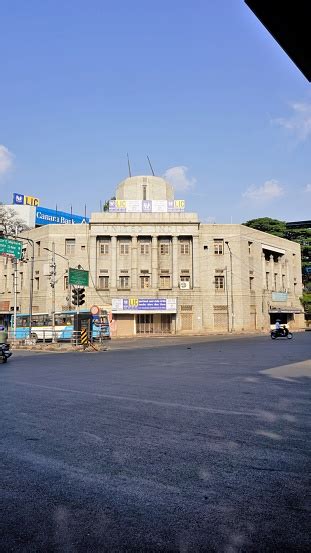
[[283, 282], [5, 282], [124, 248], [144, 192], [104, 248], [37, 283], [103, 282], [218, 247], [21, 280], [66, 282], [267, 281], [250, 248], [124, 282], [144, 248], [251, 283], [185, 248], [219, 283], [38, 247], [70, 244], [145, 281], [165, 282], [165, 248], [83, 248], [275, 281]]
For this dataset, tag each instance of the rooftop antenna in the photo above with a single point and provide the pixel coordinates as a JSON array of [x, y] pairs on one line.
[[150, 165], [129, 166]]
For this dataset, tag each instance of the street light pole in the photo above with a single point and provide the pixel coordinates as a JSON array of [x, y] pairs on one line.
[[231, 288], [53, 279]]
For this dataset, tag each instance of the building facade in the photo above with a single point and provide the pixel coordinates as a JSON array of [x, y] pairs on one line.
[[157, 270]]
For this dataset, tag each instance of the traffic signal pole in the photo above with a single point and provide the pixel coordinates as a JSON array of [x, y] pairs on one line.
[[78, 303]]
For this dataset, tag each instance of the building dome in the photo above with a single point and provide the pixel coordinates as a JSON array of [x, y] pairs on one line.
[[144, 188]]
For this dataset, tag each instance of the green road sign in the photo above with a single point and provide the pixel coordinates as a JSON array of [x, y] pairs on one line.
[[78, 277], [12, 248]]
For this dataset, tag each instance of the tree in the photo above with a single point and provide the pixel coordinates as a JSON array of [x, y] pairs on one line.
[[10, 223], [106, 204], [265, 224]]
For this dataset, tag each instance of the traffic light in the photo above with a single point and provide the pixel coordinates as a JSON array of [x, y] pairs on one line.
[[81, 296], [78, 296], [75, 296]]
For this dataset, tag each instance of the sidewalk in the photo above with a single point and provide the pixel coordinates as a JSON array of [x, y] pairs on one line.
[[117, 344]]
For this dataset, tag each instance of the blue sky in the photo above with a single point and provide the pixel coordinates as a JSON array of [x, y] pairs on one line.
[[200, 87]]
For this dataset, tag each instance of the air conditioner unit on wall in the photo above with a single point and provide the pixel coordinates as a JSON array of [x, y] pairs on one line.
[[184, 285]]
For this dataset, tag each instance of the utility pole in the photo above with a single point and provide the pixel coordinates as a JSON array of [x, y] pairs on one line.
[[227, 293], [231, 287], [32, 261], [15, 294], [53, 282]]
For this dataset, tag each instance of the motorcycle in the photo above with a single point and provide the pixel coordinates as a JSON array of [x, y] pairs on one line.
[[5, 352], [281, 333]]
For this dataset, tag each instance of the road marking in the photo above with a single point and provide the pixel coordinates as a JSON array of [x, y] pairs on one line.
[[140, 400]]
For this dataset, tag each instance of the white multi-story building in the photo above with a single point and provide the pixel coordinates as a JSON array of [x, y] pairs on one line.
[[157, 269]]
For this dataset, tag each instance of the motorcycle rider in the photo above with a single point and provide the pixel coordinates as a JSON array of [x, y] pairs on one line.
[[282, 330]]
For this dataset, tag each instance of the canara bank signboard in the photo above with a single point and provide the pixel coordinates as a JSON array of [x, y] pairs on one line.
[[146, 206], [46, 216], [137, 305], [21, 199]]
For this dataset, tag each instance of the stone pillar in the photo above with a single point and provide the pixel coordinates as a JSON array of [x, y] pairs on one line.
[[134, 263], [113, 262], [280, 273], [271, 269], [93, 261], [287, 273], [175, 267], [154, 262], [263, 264], [195, 262]]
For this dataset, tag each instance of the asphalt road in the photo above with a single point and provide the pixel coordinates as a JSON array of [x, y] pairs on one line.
[[196, 446]]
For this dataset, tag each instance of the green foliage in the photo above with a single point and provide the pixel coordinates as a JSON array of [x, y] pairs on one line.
[[265, 224], [278, 228], [306, 302]]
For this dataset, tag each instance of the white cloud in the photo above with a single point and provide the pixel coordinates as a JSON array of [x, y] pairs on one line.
[[6, 160], [308, 188], [269, 190], [178, 178], [299, 122]]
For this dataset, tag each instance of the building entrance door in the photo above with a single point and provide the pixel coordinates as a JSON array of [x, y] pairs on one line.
[[154, 324], [144, 324]]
